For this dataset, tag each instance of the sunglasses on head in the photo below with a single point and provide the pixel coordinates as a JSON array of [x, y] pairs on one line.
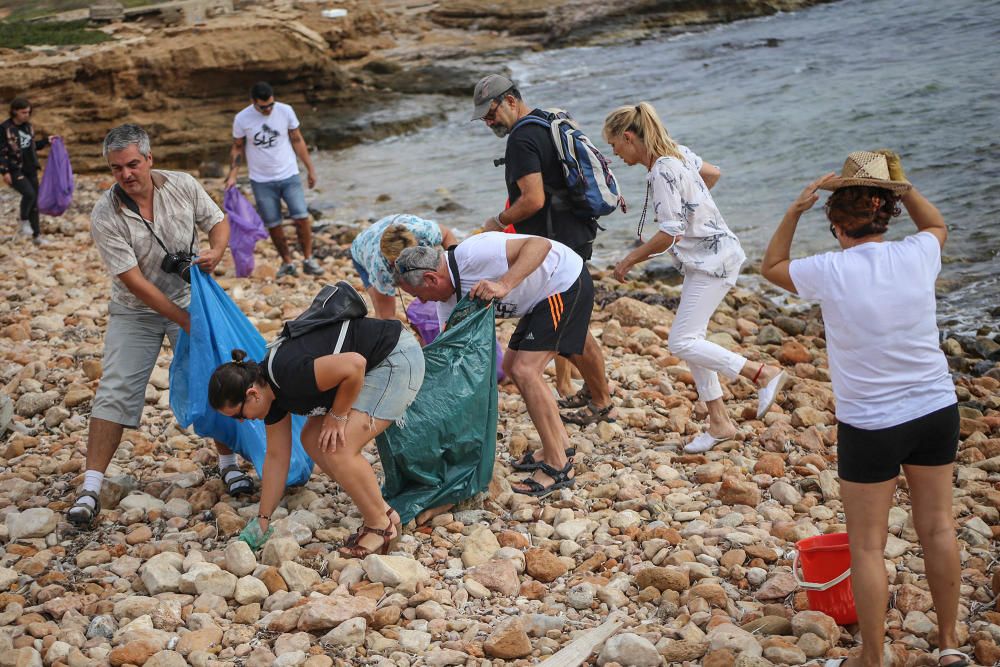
[[400, 268]]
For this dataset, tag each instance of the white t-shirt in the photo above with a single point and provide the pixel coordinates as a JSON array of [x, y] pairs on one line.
[[879, 310], [270, 156], [484, 257]]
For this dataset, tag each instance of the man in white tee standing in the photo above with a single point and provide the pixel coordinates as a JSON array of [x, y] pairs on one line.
[[546, 286], [267, 134]]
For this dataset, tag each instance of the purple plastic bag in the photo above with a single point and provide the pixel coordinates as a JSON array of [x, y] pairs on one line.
[[245, 229], [55, 193], [423, 316]]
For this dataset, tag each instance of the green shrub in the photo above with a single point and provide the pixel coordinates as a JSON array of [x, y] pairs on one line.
[[17, 34]]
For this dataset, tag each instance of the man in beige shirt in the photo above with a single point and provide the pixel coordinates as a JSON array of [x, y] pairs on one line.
[[146, 231]]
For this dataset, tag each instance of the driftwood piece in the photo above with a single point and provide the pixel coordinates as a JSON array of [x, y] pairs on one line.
[[578, 650]]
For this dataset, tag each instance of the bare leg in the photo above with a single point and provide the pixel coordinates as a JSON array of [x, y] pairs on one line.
[[427, 515], [564, 377], [766, 373], [591, 367], [526, 370], [102, 443], [350, 469], [866, 507], [303, 229], [221, 448], [385, 305], [278, 237], [719, 423], [931, 496]]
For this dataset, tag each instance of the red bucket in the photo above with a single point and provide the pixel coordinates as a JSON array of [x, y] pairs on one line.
[[826, 575]]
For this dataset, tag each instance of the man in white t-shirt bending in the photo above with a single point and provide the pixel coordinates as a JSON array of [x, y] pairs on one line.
[[543, 283], [267, 134]]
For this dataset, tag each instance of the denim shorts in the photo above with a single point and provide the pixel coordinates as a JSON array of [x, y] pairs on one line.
[[268, 197], [391, 386], [363, 272], [131, 347]]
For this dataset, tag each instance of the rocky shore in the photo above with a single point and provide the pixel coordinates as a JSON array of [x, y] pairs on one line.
[[691, 554], [380, 70]]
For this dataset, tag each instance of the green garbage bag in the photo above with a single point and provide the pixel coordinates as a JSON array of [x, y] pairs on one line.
[[445, 451]]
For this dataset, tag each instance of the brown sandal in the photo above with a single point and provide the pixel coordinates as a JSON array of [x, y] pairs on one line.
[[353, 549]]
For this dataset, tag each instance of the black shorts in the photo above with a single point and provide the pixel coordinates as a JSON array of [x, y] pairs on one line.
[[868, 457], [558, 323]]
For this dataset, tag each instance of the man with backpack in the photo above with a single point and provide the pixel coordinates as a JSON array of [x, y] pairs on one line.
[[550, 200]]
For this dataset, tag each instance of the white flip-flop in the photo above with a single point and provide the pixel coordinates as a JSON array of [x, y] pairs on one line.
[[767, 395], [702, 443]]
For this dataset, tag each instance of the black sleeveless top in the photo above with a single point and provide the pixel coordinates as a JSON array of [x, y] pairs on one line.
[[289, 368]]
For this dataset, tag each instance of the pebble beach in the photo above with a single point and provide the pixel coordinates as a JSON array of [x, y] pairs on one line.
[[688, 557]]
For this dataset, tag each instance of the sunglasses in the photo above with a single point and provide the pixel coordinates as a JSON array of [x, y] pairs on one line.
[[495, 105], [240, 415], [264, 107]]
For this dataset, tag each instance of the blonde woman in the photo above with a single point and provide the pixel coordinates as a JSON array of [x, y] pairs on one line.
[[375, 250], [691, 230]]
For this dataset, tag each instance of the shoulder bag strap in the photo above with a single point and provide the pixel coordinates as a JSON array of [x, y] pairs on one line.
[[453, 263]]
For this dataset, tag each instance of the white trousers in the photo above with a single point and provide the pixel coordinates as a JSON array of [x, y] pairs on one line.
[[701, 294]]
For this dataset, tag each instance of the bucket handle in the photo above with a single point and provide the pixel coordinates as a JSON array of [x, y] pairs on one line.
[[809, 586]]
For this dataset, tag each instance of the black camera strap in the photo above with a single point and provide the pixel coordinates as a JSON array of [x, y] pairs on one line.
[[131, 205]]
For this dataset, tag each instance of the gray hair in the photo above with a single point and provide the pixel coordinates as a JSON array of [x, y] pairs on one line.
[[125, 135], [414, 263]]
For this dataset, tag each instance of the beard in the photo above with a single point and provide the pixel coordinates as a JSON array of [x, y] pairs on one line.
[[500, 130]]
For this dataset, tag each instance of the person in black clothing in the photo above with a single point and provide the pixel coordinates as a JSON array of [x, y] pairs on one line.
[[535, 183], [19, 163], [352, 379]]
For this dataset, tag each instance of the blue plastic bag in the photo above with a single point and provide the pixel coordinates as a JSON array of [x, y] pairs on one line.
[[445, 452], [218, 326], [245, 229], [55, 193]]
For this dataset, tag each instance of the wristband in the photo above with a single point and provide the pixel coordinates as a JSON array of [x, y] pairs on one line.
[[336, 416]]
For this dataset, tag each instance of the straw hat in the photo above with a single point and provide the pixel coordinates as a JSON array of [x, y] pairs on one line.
[[872, 169]]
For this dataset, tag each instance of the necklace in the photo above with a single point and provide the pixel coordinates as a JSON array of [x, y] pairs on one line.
[[642, 216]]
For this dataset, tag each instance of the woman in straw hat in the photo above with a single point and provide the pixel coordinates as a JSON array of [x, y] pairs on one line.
[[896, 403], [692, 231]]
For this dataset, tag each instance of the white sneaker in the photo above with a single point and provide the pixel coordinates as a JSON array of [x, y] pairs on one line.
[[25, 229], [40, 241]]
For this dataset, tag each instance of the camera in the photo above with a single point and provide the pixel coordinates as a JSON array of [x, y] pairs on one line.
[[179, 263]]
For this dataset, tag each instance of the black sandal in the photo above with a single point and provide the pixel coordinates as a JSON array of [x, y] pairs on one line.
[[560, 480], [591, 414], [527, 463], [577, 400], [236, 485], [82, 514]]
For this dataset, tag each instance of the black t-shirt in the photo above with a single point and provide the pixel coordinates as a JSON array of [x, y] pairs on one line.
[[294, 380], [530, 151]]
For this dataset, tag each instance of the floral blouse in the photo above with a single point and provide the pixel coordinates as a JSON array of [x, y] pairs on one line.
[[684, 209], [367, 252]]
